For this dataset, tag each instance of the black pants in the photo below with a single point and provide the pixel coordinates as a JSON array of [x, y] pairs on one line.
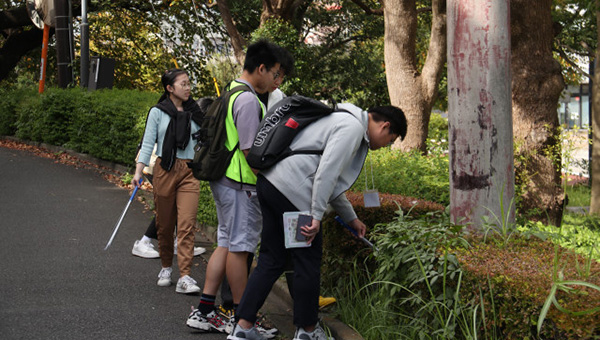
[[272, 262]]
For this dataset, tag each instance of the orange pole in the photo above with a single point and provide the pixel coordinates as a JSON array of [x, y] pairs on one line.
[[44, 58]]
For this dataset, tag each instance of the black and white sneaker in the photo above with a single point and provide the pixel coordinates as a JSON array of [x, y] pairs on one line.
[[206, 322], [268, 333]]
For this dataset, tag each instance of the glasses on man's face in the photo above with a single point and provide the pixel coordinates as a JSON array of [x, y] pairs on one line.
[[277, 74]]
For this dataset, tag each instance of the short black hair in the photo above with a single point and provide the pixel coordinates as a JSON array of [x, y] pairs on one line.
[[286, 61], [391, 114], [262, 52]]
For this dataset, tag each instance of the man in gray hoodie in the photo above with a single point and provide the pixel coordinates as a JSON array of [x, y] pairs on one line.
[[308, 182]]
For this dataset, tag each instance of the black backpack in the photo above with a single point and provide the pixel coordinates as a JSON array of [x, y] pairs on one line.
[[211, 156], [279, 127]]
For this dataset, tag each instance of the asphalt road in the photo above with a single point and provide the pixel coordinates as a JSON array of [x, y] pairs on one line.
[[56, 280]]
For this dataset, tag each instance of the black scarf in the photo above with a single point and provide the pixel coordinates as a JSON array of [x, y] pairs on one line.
[[178, 132]]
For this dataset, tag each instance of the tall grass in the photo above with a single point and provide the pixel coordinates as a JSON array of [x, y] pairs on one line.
[[415, 292]]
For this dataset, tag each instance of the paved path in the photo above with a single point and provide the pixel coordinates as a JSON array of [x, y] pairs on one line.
[[56, 281]]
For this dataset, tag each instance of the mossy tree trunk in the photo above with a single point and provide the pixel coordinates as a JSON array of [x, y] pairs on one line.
[[536, 87]]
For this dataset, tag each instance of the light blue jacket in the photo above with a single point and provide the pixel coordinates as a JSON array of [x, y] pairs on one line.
[[311, 182], [156, 127]]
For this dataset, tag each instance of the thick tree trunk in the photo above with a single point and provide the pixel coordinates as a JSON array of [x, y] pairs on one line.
[[14, 18], [410, 89], [595, 171], [536, 87], [479, 110], [16, 46]]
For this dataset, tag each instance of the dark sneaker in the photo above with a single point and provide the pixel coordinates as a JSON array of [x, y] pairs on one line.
[[209, 322]]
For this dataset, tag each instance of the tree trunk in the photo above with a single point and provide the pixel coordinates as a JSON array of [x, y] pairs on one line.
[[16, 46], [411, 90], [536, 87], [284, 9], [479, 111], [237, 41], [595, 171]]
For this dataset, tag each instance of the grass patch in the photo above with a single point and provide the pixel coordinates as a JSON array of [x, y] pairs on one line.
[[579, 195]]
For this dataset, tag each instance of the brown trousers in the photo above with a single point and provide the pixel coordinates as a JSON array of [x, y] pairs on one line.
[[176, 199]]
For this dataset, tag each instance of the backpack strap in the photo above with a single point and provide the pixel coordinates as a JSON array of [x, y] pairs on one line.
[[311, 152]]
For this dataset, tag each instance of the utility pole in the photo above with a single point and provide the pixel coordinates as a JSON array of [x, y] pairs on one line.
[[480, 114], [63, 49], [85, 46]]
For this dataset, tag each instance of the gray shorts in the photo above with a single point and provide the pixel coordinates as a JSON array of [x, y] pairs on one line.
[[240, 219]]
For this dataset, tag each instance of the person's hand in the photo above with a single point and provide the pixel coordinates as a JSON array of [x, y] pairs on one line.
[[135, 181], [360, 227], [311, 231]]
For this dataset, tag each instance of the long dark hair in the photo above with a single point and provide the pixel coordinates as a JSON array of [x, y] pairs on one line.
[[168, 78]]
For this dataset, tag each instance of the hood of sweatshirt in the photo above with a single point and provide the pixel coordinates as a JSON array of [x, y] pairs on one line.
[[358, 113]]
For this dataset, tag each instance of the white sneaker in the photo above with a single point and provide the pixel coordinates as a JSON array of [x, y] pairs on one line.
[[197, 250], [317, 334], [144, 249], [187, 285], [164, 277]]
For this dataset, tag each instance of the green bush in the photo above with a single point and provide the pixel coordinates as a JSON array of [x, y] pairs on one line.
[[11, 101], [437, 138], [207, 212], [111, 125], [515, 281], [408, 174], [107, 124]]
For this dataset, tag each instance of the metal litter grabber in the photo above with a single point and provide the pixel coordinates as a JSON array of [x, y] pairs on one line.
[[367, 242], [123, 215]]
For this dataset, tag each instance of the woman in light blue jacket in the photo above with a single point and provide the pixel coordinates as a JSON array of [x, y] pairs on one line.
[[171, 124]]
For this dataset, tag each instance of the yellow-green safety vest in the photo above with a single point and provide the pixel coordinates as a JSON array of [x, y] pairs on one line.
[[238, 170]]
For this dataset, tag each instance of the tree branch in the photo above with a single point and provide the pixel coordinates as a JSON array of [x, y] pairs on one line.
[[573, 64], [436, 54], [14, 18], [237, 41], [16, 46], [367, 9]]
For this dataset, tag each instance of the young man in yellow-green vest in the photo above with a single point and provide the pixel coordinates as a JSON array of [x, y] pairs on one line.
[[238, 210]]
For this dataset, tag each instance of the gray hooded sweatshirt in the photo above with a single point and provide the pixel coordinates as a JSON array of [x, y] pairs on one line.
[[311, 182]]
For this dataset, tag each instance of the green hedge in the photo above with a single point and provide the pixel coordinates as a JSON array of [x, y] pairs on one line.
[[106, 124]]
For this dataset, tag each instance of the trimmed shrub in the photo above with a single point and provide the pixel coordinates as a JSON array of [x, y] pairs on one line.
[[11, 101], [515, 281], [107, 124]]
